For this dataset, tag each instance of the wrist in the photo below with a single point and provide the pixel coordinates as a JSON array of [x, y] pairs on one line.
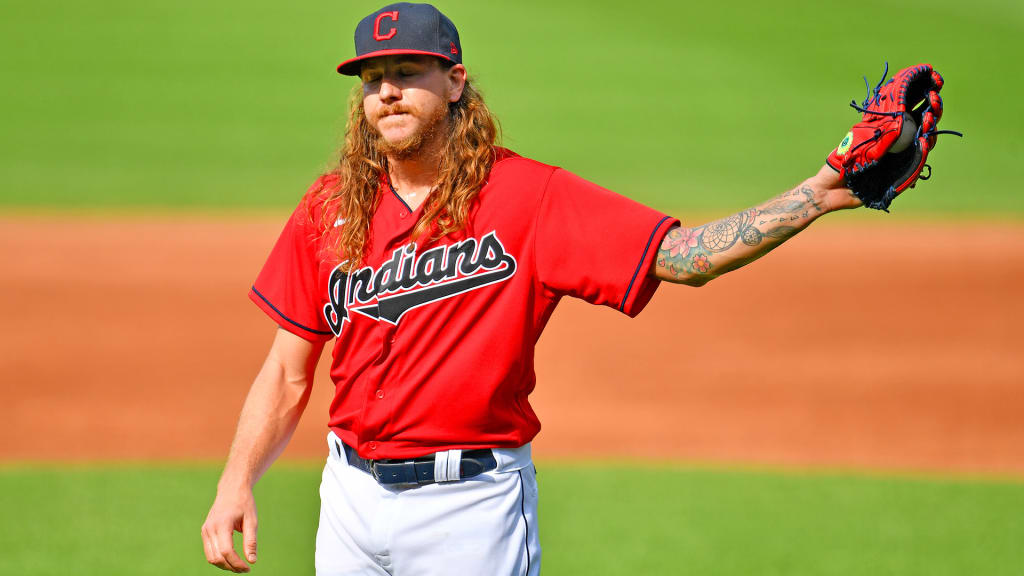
[[233, 483], [822, 197], [830, 191]]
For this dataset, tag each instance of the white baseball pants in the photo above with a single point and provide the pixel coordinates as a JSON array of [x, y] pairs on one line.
[[485, 526]]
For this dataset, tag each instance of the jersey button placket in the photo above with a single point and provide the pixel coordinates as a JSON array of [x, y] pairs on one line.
[[385, 341]]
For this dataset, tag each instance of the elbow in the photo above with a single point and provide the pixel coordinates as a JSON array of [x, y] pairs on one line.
[[685, 277], [697, 281]]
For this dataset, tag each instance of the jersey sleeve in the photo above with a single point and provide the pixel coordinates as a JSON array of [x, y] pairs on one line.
[[597, 245], [287, 288]]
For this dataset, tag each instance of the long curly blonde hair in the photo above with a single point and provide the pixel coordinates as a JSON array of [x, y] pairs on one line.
[[352, 191]]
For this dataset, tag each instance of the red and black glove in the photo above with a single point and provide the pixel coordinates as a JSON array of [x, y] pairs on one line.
[[874, 160]]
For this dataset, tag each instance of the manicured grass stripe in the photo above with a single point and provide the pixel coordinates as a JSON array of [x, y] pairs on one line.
[[595, 519], [703, 106]]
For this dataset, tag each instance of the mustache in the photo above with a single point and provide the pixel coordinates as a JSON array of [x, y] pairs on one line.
[[392, 110]]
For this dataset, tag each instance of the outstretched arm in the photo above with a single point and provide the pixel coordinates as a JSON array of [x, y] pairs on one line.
[[695, 256], [271, 412]]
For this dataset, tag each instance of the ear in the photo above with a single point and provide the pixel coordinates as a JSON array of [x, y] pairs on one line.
[[456, 82]]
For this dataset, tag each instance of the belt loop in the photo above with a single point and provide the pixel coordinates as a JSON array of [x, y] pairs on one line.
[[440, 467], [447, 466], [455, 465]]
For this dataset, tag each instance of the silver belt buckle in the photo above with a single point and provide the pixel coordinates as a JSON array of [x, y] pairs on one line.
[[373, 471]]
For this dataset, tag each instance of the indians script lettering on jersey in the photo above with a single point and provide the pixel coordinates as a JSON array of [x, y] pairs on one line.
[[410, 280]]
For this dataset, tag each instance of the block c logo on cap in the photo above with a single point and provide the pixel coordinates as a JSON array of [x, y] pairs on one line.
[[393, 15]]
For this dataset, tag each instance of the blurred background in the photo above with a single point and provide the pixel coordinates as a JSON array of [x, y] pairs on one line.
[[853, 404]]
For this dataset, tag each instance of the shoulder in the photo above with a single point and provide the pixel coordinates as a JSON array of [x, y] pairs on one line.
[[511, 168], [319, 203], [323, 190], [530, 175]]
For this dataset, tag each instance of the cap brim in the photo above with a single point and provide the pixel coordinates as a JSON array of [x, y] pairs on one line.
[[351, 67]]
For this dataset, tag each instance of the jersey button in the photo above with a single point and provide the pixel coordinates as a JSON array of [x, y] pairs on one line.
[[372, 445], [380, 394], [403, 214]]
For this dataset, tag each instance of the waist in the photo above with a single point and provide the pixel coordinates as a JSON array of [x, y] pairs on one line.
[[445, 466]]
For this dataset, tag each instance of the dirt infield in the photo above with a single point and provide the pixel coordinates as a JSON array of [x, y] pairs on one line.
[[133, 338]]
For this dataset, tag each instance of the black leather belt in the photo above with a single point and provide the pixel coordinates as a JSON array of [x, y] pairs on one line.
[[416, 470]]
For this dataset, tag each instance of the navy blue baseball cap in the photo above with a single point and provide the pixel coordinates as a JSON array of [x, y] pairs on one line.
[[404, 28]]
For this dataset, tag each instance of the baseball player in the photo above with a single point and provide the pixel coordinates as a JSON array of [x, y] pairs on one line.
[[433, 259]]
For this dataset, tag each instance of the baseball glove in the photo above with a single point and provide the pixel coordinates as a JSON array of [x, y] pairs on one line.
[[885, 153]]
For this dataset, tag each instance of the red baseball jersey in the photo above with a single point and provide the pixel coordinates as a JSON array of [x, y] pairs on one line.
[[435, 341]]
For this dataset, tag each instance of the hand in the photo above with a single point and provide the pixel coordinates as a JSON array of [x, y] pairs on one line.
[[831, 186], [232, 511]]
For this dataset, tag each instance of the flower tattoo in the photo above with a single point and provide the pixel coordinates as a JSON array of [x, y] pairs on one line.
[[700, 263], [681, 241]]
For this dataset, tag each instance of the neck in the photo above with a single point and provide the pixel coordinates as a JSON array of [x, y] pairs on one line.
[[410, 175], [413, 177]]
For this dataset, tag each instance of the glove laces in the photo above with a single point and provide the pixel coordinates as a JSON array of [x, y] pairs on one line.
[[873, 96]]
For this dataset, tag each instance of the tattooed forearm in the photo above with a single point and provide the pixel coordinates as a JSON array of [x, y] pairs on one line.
[[697, 255], [719, 236], [782, 207], [795, 200]]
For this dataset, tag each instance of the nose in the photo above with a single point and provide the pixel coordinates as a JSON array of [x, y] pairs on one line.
[[389, 90]]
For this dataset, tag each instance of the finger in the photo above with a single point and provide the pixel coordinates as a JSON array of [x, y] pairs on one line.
[[215, 557], [207, 546], [249, 537], [224, 547]]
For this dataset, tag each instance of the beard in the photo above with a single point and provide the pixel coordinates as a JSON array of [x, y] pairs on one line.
[[415, 143]]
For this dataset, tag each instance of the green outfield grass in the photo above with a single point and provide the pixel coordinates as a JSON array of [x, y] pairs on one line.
[[595, 520], [707, 106]]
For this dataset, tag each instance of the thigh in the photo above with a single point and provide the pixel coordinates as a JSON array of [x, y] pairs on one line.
[[348, 538], [484, 525]]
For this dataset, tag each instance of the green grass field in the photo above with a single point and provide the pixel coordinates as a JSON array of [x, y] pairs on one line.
[[688, 106], [691, 107], [595, 519]]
